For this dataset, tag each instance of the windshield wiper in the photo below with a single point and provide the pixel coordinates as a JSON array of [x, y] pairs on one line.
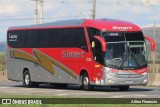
[[112, 66], [134, 58], [124, 58]]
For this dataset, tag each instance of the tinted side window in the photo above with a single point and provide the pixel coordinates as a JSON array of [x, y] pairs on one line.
[[74, 37], [30, 39], [79, 38], [48, 38], [42, 38], [54, 38], [91, 33], [15, 39], [67, 37]]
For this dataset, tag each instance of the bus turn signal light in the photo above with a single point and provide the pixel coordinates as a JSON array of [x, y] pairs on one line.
[[97, 66]]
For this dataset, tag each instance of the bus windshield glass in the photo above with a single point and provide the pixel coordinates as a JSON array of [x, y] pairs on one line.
[[124, 51]]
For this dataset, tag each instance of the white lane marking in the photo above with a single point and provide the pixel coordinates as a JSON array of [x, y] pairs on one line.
[[62, 94], [30, 90], [4, 87], [118, 96], [132, 96], [141, 95]]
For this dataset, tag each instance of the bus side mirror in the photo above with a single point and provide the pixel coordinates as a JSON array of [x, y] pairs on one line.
[[151, 41], [102, 41]]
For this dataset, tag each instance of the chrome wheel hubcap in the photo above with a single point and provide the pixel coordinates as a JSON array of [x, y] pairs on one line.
[[85, 82], [27, 79]]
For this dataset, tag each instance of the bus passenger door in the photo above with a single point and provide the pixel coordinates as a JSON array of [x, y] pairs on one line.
[[97, 49]]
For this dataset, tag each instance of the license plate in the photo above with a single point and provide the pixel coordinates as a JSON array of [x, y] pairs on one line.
[[128, 82]]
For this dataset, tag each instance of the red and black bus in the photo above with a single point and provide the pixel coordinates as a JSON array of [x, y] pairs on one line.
[[88, 52]]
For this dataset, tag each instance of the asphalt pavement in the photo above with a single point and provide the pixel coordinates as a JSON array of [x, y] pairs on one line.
[[75, 91]]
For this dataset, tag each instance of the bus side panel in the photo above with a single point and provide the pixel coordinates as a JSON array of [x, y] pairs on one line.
[[60, 76], [55, 70], [10, 66], [39, 73], [15, 67]]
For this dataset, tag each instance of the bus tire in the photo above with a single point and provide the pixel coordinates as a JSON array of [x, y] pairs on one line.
[[123, 88], [86, 83], [27, 80]]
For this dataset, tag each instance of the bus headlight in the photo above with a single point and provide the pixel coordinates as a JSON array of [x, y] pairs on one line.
[[111, 74], [110, 81], [145, 81], [144, 73]]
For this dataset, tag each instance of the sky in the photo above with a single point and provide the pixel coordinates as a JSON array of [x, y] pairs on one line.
[[21, 12]]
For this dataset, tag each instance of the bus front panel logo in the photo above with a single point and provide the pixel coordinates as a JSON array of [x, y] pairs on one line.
[[122, 27], [12, 38], [66, 54]]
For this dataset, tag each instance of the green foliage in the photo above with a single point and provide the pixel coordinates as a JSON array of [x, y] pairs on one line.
[[85, 105], [2, 95], [2, 61], [156, 61]]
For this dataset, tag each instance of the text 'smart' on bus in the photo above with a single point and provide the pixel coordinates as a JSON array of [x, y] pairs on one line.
[[85, 52]]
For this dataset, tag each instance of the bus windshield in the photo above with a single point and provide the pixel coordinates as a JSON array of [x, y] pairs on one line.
[[125, 54]]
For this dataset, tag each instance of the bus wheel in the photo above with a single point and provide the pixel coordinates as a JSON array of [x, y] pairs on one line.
[[86, 83], [123, 88], [27, 80]]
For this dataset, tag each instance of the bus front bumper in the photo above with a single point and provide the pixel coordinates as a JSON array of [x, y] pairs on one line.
[[114, 80]]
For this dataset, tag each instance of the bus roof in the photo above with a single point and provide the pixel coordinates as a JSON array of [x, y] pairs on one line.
[[101, 24]]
